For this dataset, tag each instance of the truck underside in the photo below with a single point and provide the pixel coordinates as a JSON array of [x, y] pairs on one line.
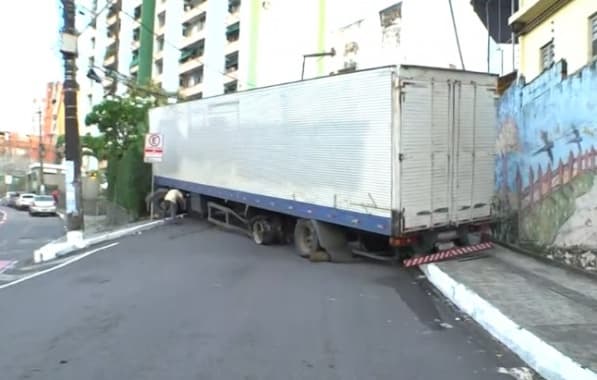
[[321, 241]]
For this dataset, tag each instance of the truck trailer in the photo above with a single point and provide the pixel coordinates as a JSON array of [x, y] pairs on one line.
[[398, 157]]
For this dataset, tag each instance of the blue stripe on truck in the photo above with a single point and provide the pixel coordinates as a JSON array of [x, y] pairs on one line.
[[356, 220]]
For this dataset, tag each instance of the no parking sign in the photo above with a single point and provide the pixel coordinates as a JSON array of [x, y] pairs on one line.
[[154, 147]]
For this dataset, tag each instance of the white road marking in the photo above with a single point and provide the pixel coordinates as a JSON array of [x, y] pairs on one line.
[[59, 266], [3, 216]]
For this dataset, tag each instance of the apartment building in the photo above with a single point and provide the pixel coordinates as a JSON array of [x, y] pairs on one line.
[[551, 30], [209, 47]]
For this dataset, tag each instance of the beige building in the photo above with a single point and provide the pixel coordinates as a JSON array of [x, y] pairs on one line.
[[552, 30]]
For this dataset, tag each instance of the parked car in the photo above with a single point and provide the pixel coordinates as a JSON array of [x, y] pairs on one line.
[[43, 204], [24, 201], [10, 199]]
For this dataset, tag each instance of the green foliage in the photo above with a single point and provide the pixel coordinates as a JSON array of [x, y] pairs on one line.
[[129, 180], [94, 146], [542, 223], [60, 141], [123, 123]]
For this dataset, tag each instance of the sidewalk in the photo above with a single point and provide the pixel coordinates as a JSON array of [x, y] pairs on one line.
[[546, 314], [90, 237]]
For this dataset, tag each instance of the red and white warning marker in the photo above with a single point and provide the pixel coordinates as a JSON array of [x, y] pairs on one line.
[[447, 254]]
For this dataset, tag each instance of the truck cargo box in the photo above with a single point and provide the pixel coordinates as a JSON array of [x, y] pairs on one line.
[[391, 150]]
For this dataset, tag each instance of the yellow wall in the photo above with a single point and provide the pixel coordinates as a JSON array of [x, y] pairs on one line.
[[571, 38], [60, 116]]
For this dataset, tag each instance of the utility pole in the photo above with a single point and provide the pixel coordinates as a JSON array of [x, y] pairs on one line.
[[74, 214], [146, 47], [40, 147]]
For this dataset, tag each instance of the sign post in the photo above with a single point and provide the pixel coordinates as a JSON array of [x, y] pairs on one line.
[[153, 152]]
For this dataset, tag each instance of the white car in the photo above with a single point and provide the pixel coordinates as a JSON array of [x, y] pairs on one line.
[[43, 204], [24, 201]]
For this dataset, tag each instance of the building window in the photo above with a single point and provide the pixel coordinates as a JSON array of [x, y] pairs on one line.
[[231, 62], [195, 25], [136, 34], [159, 67], [233, 32], [230, 87], [593, 28], [547, 55], [160, 43], [192, 4], [233, 6], [137, 13], [192, 78], [162, 19]]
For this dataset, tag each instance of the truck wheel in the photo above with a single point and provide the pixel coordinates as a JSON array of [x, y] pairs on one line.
[[262, 232], [425, 244], [306, 240], [465, 237]]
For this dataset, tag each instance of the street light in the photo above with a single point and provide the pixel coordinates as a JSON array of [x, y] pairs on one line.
[[330, 53]]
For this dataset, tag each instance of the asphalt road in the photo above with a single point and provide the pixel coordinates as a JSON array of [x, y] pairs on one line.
[[193, 302], [21, 234]]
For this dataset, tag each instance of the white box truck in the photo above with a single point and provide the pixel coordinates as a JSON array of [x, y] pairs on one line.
[[392, 156]]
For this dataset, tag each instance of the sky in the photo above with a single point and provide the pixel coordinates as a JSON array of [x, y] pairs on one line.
[[29, 32]]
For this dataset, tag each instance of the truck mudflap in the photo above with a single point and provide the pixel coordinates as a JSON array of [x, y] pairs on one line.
[[447, 254]]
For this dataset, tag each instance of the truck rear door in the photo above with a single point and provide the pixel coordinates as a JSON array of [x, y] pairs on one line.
[[445, 149]]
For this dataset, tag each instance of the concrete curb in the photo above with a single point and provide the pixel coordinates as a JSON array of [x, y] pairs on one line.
[[56, 249], [544, 358]]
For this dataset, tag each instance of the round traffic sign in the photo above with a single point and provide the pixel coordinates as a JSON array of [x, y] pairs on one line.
[[155, 140]]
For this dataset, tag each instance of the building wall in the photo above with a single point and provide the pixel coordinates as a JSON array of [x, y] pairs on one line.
[[408, 40], [215, 42], [274, 37], [170, 55], [569, 29], [546, 166]]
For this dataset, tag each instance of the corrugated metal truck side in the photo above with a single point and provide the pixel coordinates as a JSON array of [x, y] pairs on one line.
[[373, 156]]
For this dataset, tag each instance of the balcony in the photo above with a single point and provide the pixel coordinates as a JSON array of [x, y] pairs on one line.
[[231, 76], [534, 12], [231, 65], [193, 9], [193, 30], [190, 65], [110, 60], [111, 41], [192, 91], [190, 57], [192, 82], [231, 47], [232, 18], [160, 23], [112, 19]]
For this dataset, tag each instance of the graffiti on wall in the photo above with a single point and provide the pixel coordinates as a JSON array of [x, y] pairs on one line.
[[547, 157]]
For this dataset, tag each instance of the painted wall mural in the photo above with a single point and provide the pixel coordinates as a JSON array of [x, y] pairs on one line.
[[546, 163]]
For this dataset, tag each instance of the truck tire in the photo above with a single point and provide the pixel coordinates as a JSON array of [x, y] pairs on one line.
[[306, 240], [262, 231], [425, 244], [465, 237]]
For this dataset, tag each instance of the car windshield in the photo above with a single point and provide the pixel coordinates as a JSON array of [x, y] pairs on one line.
[[27, 196], [44, 198]]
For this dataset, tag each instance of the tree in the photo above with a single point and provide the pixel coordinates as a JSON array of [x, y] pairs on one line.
[[121, 121], [94, 146]]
